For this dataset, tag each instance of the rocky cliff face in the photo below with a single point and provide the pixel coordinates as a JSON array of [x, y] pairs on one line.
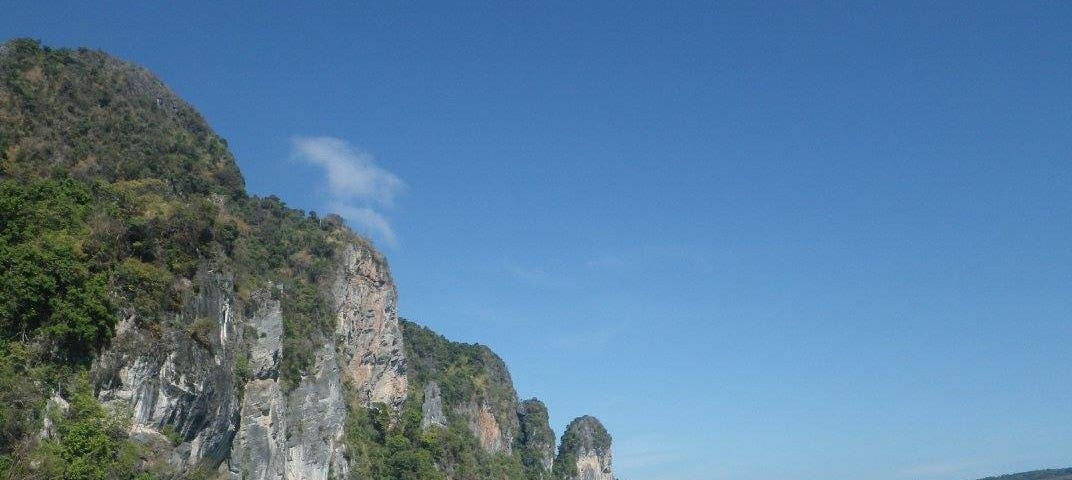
[[177, 382], [367, 329], [259, 450], [288, 434], [251, 341], [468, 382], [491, 411], [205, 388], [189, 386], [584, 453]]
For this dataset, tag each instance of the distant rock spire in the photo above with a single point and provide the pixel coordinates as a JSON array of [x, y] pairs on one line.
[[584, 453]]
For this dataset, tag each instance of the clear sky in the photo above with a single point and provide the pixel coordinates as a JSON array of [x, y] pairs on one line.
[[772, 241]]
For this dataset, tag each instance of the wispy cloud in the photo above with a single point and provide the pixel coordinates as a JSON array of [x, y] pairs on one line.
[[369, 219], [356, 184]]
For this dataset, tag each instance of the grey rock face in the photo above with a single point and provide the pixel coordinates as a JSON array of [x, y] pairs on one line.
[[316, 416], [288, 435], [432, 408], [183, 378], [585, 452], [259, 450], [297, 435], [266, 348], [180, 381]]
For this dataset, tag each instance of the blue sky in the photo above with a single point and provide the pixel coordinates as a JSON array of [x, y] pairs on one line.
[[758, 241]]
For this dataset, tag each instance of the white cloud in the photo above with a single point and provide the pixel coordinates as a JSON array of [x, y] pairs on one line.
[[370, 220], [351, 174], [354, 182]]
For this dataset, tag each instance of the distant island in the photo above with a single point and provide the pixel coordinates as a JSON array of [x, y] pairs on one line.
[[1052, 474]]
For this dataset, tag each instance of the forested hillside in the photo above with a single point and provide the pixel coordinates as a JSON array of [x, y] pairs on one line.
[[156, 321], [113, 194]]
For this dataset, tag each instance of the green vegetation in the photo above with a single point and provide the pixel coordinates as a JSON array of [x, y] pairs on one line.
[[305, 320], [84, 114], [533, 435], [114, 195], [582, 434], [22, 395], [386, 448], [48, 284], [381, 449], [89, 443], [464, 371]]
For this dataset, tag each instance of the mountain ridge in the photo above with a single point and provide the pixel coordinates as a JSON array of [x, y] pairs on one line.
[[1048, 474], [160, 322]]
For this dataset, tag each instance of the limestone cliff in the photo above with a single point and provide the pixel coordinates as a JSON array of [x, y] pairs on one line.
[[469, 387], [179, 382], [475, 386], [367, 329], [223, 335], [189, 385]]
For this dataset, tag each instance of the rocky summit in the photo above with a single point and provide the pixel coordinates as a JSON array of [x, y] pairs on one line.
[[584, 453], [159, 322]]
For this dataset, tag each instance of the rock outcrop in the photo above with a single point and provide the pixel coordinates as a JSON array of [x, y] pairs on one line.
[[287, 434], [297, 434], [180, 382], [367, 330], [585, 453], [188, 385], [476, 385], [432, 407]]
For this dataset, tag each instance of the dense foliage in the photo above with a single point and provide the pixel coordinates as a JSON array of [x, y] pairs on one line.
[[85, 114], [90, 443], [49, 285]]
